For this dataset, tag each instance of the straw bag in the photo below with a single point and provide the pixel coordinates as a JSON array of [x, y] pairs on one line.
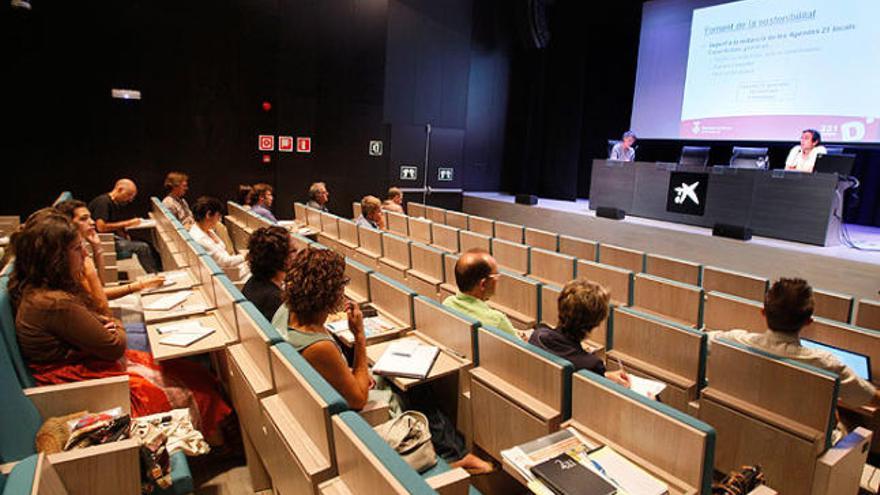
[[409, 435]]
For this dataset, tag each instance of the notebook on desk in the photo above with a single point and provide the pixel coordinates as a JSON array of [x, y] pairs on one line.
[[183, 334], [566, 476], [373, 326], [407, 358], [169, 301]]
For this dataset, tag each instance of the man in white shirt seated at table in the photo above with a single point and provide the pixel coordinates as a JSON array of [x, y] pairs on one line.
[[788, 307], [802, 158], [623, 151]]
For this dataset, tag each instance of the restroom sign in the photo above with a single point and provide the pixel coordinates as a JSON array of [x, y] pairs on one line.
[[408, 172], [445, 174]]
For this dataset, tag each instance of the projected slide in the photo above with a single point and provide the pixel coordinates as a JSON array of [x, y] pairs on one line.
[[765, 69]]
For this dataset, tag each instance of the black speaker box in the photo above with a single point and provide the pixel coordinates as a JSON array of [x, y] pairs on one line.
[[740, 232], [609, 212], [527, 199]]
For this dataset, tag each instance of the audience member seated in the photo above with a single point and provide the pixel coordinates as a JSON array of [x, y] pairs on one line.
[[582, 306], [476, 275], [245, 196], [802, 158], [314, 289], [788, 307], [208, 212], [65, 337], [262, 197], [78, 213], [623, 151], [176, 186], [318, 197], [371, 213], [107, 211], [270, 250], [394, 200]]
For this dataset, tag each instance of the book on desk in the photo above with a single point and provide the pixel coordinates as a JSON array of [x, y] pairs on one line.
[[373, 326], [626, 477], [407, 358], [564, 475]]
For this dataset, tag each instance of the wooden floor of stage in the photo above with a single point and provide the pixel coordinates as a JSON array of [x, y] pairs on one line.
[[837, 268]]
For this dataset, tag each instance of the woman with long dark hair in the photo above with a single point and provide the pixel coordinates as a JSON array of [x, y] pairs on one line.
[[64, 335]]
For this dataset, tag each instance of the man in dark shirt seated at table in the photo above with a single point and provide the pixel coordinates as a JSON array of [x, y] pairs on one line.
[[270, 250], [107, 211]]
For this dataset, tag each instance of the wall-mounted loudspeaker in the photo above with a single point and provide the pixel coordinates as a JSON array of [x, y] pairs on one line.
[[609, 212], [740, 232], [526, 199]]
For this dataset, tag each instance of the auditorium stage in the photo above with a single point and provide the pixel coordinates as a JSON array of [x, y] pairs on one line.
[[834, 268]]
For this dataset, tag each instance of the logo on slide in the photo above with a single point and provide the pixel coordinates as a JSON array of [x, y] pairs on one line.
[[695, 127], [687, 193]]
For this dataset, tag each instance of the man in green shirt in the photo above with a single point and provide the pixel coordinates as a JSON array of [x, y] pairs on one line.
[[476, 274]]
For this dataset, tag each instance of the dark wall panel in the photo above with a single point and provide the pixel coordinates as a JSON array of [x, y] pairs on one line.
[[343, 72]]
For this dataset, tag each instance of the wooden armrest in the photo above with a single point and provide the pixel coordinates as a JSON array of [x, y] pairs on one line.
[[90, 395], [452, 482], [109, 469], [375, 413], [839, 469], [539, 409]]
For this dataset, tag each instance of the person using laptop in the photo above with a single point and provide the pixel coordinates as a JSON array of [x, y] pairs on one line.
[[802, 158], [788, 307]]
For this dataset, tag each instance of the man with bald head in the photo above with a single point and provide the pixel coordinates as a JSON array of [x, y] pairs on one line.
[[476, 274], [107, 210]]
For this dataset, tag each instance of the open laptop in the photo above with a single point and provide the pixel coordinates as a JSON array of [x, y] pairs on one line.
[[829, 164], [859, 363]]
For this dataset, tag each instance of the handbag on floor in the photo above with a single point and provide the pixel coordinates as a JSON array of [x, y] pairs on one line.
[[410, 436]]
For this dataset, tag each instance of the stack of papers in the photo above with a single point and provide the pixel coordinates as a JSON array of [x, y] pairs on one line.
[[645, 386], [629, 478], [146, 223], [182, 334], [169, 301], [523, 457], [407, 358]]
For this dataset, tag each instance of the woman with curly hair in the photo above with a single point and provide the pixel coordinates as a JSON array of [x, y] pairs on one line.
[[269, 253], [65, 337], [314, 289]]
